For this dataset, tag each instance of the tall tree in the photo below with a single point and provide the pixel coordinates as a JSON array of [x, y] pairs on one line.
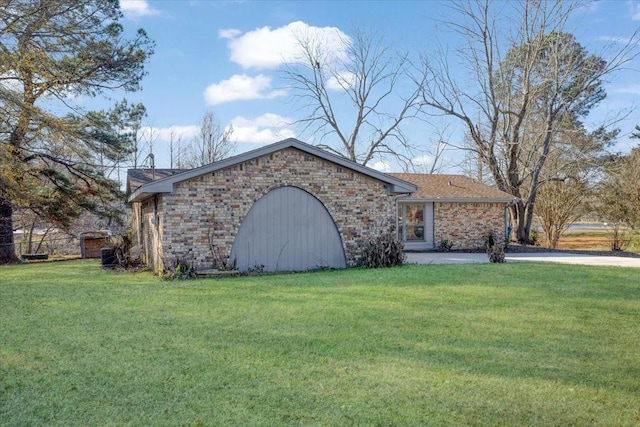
[[50, 53], [137, 114], [566, 181], [523, 86], [376, 84], [212, 143], [619, 196], [175, 150]]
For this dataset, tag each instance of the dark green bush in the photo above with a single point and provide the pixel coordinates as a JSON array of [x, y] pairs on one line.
[[179, 269], [445, 245], [489, 239]]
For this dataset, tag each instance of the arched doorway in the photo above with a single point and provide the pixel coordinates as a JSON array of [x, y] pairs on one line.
[[287, 229]]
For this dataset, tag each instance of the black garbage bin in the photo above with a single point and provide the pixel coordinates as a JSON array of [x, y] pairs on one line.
[[108, 257]]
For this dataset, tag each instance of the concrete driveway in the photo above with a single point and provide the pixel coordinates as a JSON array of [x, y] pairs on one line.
[[558, 257]]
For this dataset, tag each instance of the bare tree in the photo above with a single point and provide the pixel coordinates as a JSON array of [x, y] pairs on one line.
[[560, 204], [373, 79], [619, 197], [175, 150], [522, 88], [565, 183], [432, 159], [213, 143], [148, 138]]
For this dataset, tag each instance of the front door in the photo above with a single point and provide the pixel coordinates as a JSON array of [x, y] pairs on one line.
[[415, 225]]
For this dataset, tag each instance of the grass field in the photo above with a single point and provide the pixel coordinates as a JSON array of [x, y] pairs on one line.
[[510, 344], [593, 240]]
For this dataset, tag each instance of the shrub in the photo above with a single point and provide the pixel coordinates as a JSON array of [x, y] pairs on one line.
[[495, 251], [383, 251], [496, 254], [534, 235], [620, 237], [445, 245], [179, 269], [489, 239], [256, 269]]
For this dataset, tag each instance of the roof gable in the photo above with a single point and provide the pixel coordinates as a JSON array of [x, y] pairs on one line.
[[165, 184]]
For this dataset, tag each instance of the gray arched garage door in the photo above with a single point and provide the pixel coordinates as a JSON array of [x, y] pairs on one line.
[[288, 230]]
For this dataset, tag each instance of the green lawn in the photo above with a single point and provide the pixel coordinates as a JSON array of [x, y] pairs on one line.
[[510, 344]]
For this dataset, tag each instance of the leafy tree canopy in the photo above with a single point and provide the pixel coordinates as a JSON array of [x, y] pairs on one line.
[[52, 152]]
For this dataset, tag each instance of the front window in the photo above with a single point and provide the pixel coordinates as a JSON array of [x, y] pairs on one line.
[[414, 222], [411, 222]]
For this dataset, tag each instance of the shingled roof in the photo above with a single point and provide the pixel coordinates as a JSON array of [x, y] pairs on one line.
[[452, 188], [138, 177]]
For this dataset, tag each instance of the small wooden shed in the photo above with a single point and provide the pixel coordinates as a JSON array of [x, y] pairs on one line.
[[92, 242]]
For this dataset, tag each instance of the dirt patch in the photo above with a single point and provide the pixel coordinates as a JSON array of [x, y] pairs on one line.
[[594, 243], [579, 242]]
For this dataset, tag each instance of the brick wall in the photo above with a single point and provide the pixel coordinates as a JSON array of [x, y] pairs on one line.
[[466, 224], [208, 210]]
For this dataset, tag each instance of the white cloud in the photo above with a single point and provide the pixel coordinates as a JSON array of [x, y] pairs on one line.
[[241, 87], [267, 48], [341, 81], [621, 40], [134, 9], [10, 80], [422, 160], [631, 89], [264, 129], [634, 9], [187, 133], [229, 33], [381, 166]]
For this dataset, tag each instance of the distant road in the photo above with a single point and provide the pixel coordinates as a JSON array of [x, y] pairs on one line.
[[584, 226], [588, 226]]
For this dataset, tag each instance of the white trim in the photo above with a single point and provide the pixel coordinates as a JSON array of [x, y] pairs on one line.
[[409, 199]]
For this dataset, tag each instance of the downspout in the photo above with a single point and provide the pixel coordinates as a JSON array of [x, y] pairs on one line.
[[507, 226]]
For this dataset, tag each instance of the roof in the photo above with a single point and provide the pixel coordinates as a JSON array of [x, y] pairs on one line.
[[165, 184], [138, 177], [452, 188]]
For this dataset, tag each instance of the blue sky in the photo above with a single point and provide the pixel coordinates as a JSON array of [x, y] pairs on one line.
[[226, 57]]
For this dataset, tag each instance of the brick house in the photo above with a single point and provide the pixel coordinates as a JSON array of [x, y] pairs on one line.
[[291, 206]]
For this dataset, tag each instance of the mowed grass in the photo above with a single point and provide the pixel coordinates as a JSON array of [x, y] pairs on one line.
[[511, 344]]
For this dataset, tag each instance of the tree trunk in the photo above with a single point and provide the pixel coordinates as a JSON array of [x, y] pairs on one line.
[[521, 222], [30, 238], [7, 247]]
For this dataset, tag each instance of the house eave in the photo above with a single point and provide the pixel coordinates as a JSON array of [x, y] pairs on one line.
[[140, 196], [457, 200]]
